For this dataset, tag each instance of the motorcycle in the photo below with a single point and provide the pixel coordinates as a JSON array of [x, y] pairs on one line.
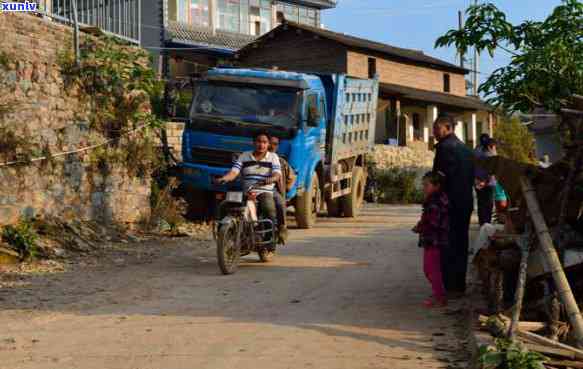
[[243, 230]]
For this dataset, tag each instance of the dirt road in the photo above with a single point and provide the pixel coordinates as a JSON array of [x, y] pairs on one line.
[[346, 294]]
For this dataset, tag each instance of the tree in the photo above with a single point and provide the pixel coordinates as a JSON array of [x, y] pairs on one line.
[[515, 141], [546, 66]]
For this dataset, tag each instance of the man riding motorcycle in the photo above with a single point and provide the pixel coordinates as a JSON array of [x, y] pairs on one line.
[[286, 182], [259, 166]]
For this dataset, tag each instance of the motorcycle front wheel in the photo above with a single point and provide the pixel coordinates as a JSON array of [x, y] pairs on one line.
[[228, 247]]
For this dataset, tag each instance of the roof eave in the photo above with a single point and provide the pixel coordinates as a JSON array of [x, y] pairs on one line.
[[445, 66], [320, 4]]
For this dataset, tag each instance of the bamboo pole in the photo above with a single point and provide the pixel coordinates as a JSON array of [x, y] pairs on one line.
[[553, 262], [522, 326], [524, 243], [535, 338], [568, 364]]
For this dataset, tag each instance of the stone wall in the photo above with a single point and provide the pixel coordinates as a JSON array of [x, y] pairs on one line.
[[415, 155], [174, 134], [40, 107]]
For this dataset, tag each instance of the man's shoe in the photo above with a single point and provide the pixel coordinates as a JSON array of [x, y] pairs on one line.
[[283, 235]]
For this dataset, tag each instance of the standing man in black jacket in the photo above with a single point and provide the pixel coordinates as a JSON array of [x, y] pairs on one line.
[[455, 160]]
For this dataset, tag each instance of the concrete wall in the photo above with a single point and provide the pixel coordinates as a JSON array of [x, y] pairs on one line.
[[405, 74], [46, 111]]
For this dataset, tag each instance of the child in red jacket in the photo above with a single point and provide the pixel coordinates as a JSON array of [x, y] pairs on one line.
[[433, 229]]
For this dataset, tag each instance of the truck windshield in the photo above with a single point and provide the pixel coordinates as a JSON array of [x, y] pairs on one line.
[[247, 103]]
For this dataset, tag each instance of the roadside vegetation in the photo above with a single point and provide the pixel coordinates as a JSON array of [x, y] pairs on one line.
[[515, 140]]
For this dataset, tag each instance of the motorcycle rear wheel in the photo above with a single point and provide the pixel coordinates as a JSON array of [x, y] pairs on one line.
[[228, 247]]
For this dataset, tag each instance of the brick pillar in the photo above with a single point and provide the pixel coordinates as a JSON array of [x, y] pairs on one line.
[[472, 129], [459, 130], [491, 124], [430, 117], [397, 117]]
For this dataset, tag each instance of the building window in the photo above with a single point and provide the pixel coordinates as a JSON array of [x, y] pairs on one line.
[[372, 67], [228, 12], [298, 14], [259, 19], [446, 83], [250, 17], [195, 12]]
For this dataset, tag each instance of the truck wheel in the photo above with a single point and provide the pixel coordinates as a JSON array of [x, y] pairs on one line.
[[308, 205], [334, 208], [352, 202]]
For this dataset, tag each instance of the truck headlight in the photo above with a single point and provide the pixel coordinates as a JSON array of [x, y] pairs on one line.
[[193, 172]]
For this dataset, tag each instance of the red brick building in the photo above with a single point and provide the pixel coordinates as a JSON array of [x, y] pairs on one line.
[[414, 87]]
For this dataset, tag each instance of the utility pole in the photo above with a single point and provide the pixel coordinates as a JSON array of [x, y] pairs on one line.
[[461, 26], [476, 65]]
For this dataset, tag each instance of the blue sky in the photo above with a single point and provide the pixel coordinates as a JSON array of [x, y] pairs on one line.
[[416, 24]]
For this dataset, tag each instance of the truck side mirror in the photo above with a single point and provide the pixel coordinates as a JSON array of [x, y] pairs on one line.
[[313, 111]]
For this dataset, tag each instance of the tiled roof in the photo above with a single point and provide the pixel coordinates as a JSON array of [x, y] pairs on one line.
[[414, 56], [205, 37], [464, 102]]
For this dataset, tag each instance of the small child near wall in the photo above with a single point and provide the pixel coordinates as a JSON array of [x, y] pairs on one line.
[[433, 230]]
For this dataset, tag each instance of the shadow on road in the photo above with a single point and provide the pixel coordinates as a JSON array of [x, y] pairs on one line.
[[357, 279]]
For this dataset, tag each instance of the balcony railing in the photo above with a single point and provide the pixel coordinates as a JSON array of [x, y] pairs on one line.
[[119, 18]]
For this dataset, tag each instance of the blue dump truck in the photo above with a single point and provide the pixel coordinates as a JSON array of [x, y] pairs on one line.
[[325, 123]]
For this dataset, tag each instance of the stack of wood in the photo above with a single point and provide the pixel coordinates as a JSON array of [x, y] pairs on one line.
[[559, 355], [548, 199]]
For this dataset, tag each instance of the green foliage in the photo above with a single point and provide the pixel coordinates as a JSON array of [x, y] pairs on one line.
[[509, 355], [398, 186], [546, 65], [164, 207], [14, 147], [183, 103], [515, 141], [22, 237], [122, 87], [4, 60]]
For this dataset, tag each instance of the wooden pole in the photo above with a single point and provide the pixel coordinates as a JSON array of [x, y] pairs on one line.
[[533, 337], [552, 261], [524, 243]]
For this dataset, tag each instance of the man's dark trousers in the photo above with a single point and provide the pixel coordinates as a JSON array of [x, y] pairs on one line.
[[267, 206], [454, 159], [485, 204], [454, 257]]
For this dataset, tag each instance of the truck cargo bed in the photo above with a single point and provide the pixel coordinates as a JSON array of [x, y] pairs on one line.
[[352, 127]]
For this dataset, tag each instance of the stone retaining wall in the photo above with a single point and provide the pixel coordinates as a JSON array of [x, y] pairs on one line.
[[174, 134], [414, 156], [42, 109]]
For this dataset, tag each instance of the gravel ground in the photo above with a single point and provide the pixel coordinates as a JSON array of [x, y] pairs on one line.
[[346, 294]]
